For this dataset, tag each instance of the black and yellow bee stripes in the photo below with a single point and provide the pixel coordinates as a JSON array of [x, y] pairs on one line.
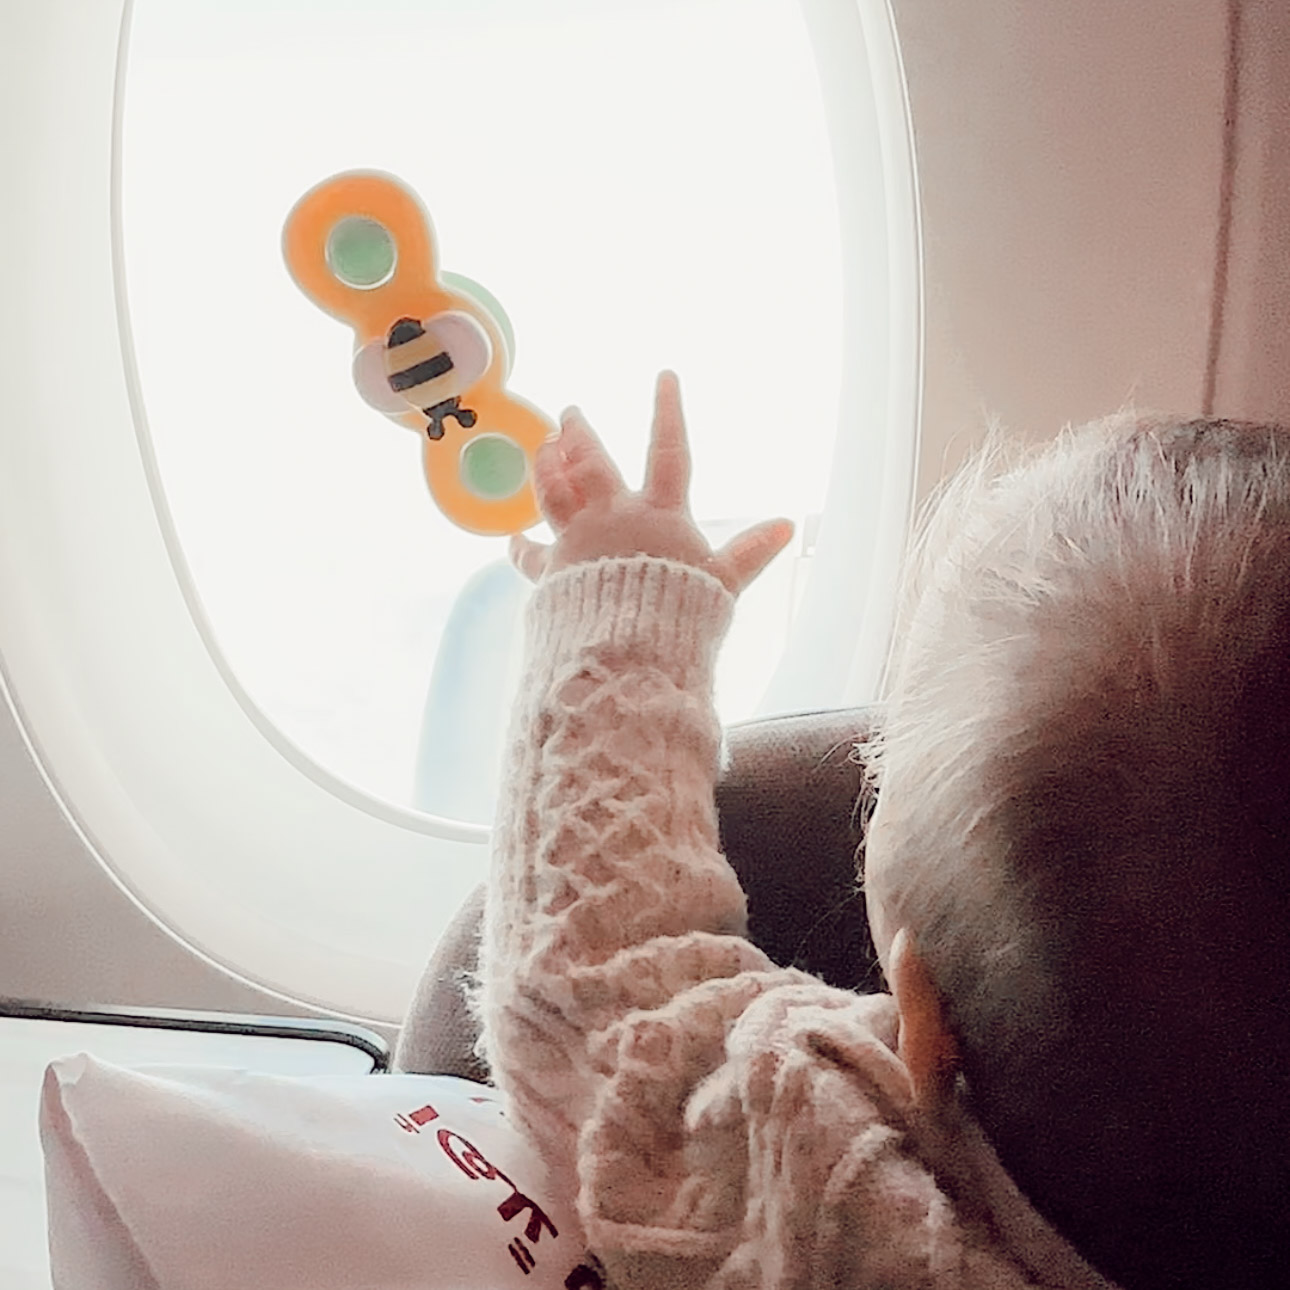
[[429, 353]]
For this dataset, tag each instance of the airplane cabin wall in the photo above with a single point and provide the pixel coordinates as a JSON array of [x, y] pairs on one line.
[[1252, 376], [1070, 162]]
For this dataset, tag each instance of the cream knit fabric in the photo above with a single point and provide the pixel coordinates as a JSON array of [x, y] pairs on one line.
[[724, 1122]]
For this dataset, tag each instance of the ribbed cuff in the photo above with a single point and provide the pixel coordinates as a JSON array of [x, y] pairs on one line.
[[673, 613]]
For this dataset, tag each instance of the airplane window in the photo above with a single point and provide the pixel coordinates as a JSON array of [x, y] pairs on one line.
[[640, 183]]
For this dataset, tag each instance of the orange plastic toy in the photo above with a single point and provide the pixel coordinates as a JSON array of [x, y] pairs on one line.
[[431, 356]]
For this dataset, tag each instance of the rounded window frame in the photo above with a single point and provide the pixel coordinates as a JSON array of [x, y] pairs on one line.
[[177, 782]]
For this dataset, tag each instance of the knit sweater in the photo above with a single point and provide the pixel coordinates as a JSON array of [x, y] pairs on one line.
[[723, 1122]]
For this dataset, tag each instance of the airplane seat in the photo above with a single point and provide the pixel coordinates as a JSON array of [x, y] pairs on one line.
[[792, 801]]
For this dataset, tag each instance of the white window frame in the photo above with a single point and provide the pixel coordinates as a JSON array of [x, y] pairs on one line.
[[230, 837]]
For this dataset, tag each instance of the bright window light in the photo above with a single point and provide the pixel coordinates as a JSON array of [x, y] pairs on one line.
[[641, 184]]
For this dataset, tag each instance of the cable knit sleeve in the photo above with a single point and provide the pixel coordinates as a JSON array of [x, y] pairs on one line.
[[609, 894]]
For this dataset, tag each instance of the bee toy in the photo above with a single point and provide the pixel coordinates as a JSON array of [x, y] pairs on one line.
[[431, 350]]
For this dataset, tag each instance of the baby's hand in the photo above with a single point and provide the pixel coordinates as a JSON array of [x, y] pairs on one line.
[[594, 516]]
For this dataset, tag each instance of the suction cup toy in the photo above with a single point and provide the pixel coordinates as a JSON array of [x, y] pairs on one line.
[[432, 350]]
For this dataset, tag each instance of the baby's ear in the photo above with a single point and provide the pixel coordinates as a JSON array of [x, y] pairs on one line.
[[926, 1045]]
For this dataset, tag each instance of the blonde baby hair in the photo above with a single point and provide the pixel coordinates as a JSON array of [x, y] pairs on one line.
[[1084, 824]]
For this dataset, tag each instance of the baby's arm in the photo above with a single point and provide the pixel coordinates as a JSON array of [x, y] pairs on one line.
[[609, 894], [721, 1120]]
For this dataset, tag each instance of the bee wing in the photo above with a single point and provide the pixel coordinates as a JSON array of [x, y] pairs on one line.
[[372, 382], [465, 341]]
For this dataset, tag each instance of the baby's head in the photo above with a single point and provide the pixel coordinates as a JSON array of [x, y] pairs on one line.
[[1083, 828]]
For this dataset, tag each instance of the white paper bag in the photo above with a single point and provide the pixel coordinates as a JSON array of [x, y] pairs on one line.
[[211, 1179]]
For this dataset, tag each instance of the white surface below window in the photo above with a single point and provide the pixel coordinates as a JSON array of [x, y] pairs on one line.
[[28, 1046]]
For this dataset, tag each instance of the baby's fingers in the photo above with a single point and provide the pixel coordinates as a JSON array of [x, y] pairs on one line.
[[556, 494], [667, 471], [588, 467], [748, 553], [529, 557]]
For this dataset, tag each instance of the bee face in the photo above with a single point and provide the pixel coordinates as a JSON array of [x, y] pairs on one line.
[[432, 362]]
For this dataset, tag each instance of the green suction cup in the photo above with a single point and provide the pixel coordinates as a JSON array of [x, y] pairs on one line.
[[493, 467], [489, 303], [360, 252]]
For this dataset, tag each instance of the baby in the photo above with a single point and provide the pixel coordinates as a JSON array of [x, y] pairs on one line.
[[1076, 879]]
